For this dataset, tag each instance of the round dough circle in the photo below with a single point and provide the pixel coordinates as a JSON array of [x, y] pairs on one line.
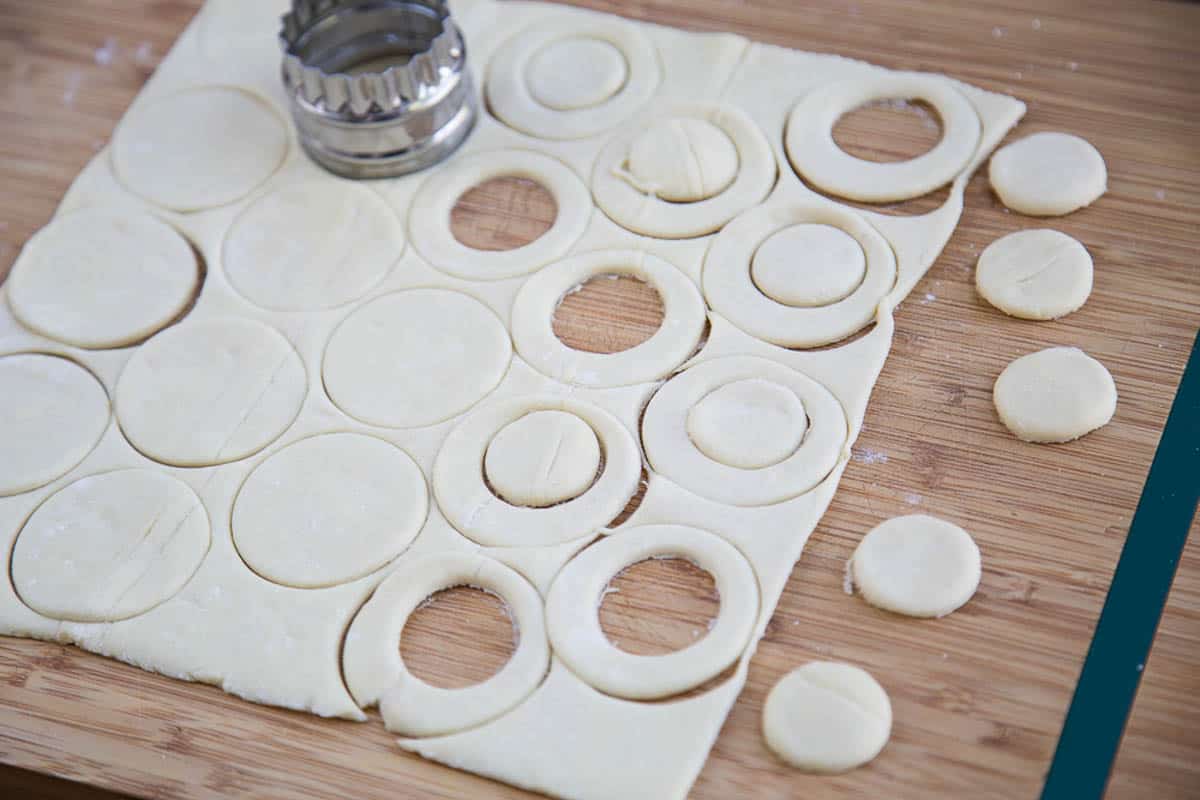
[[415, 357], [533, 334], [199, 148], [429, 219], [471, 507], [544, 458], [342, 239], [816, 156], [575, 73], [732, 293], [671, 450], [1054, 395], [329, 509], [916, 565], [210, 392], [749, 424], [683, 160], [1036, 274], [1048, 174], [573, 619], [827, 717], [109, 547], [808, 265], [52, 414], [516, 85], [637, 210], [98, 278], [375, 672]]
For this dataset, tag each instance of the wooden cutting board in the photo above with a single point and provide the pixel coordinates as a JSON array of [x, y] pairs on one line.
[[980, 696]]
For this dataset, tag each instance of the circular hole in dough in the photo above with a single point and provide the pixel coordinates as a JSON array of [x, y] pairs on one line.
[[415, 358], [1054, 395], [329, 509], [199, 148], [312, 245], [827, 717], [503, 214], [659, 606], [573, 620], [109, 547], [52, 414], [916, 565], [544, 458], [682, 160], [888, 130], [210, 392], [1048, 174], [458, 637], [808, 265], [749, 424], [608, 314], [1036, 274], [576, 73], [98, 278]]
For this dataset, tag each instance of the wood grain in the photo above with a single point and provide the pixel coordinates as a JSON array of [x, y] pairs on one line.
[[979, 696]]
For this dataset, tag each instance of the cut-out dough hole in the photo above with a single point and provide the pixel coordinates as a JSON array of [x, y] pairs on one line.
[[577, 72], [503, 214], [543, 458], [659, 606], [682, 160], [458, 637], [889, 130], [808, 265], [609, 314]]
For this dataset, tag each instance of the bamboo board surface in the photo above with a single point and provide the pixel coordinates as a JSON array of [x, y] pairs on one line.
[[979, 697]]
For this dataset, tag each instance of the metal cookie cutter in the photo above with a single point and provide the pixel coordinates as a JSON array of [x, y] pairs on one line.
[[377, 87]]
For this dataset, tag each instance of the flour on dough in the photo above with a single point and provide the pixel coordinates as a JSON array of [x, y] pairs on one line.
[[543, 458], [1055, 395], [1048, 174], [1035, 274]]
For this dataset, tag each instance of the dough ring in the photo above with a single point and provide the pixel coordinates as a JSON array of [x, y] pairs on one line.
[[533, 316], [618, 195], [816, 156], [537, 85], [731, 292], [671, 450], [469, 505], [573, 620], [375, 672], [429, 219]]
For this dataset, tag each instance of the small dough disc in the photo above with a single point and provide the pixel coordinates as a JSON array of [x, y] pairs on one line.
[[1055, 395], [1048, 174], [98, 278], [808, 265], [751, 423], [416, 357], [827, 717], [1037, 274], [545, 457], [199, 148], [576, 73], [683, 160], [341, 240], [329, 509], [210, 392], [52, 413], [916, 565], [109, 547]]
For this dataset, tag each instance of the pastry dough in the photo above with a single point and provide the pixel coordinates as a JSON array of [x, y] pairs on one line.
[[544, 458], [749, 424], [682, 160], [576, 72], [100, 278], [1055, 395], [1035, 274], [916, 565], [1048, 174], [808, 265]]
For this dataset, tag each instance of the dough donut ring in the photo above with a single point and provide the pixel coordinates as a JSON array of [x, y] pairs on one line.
[[510, 98], [671, 451], [731, 292], [651, 216], [573, 621], [684, 314], [469, 505], [816, 156], [429, 219], [376, 673]]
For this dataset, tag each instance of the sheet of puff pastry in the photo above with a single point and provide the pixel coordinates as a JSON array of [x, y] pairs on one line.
[[207, 616]]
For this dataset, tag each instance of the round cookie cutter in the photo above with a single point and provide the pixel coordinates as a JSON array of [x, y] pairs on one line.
[[377, 88]]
